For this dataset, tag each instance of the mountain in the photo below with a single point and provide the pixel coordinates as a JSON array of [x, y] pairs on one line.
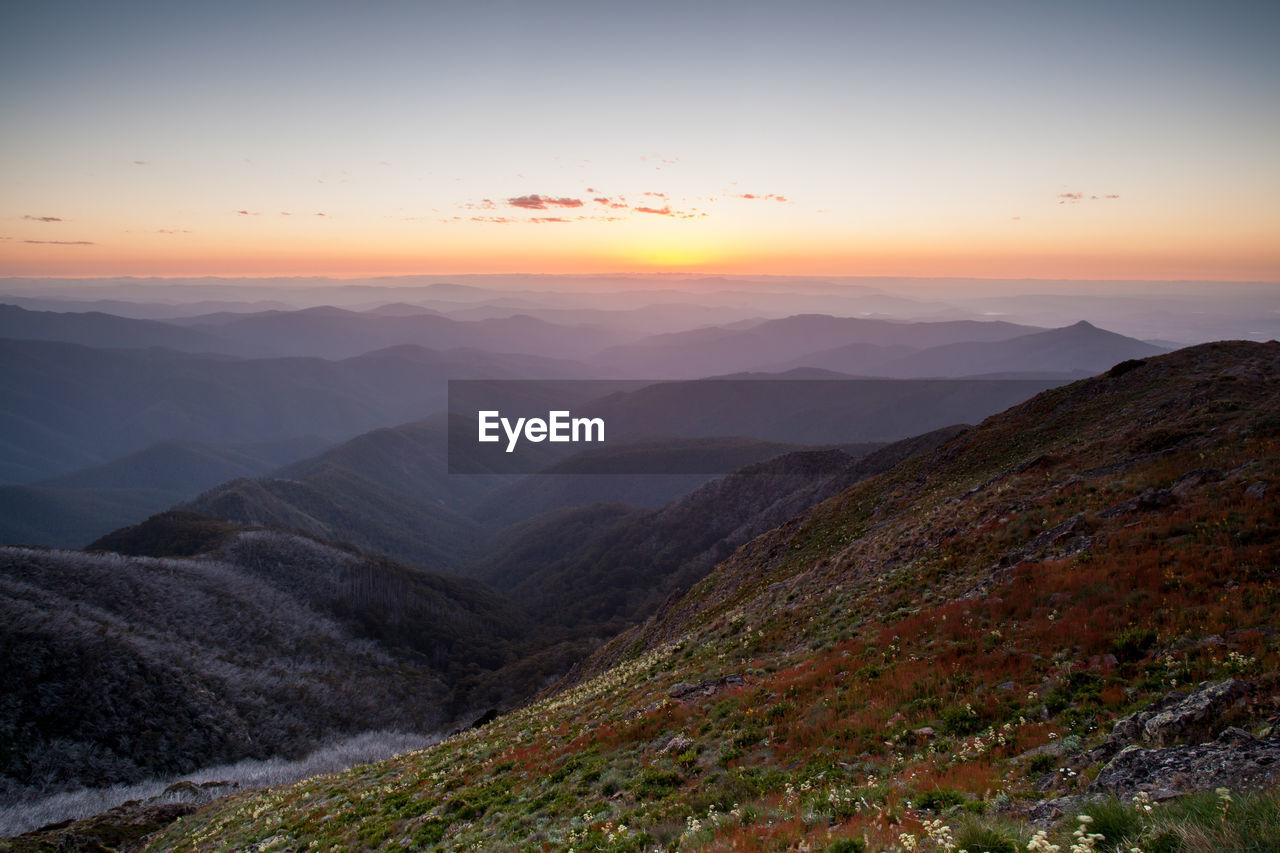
[[71, 407], [336, 504], [120, 668], [642, 473], [71, 509], [807, 411], [140, 310], [1081, 349], [599, 568], [338, 333], [389, 491], [386, 491], [95, 329], [1069, 604], [716, 350]]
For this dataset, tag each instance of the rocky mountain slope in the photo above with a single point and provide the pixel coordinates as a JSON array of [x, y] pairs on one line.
[[924, 661]]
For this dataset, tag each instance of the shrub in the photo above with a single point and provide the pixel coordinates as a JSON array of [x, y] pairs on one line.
[[846, 845], [961, 720], [656, 784], [940, 799], [1115, 821], [1132, 643], [989, 839]]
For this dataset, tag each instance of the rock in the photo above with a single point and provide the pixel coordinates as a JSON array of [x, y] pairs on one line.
[[1053, 749], [1148, 500], [486, 718], [119, 828], [1237, 760], [1195, 479], [1176, 717], [1193, 719], [1048, 812], [684, 690], [1257, 491], [201, 793], [925, 732]]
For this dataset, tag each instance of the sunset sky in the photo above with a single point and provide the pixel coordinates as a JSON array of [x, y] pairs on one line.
[[1002, 139]]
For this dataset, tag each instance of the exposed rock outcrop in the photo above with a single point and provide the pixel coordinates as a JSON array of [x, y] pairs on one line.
[[1178, 718], [1237, 760]]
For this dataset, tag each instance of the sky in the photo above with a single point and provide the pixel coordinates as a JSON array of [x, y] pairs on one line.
[[985, 139]]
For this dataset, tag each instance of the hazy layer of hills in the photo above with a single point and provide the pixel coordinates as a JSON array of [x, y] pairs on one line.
[[767, 345], [1184, 312], [72, 509], [904, 651], [70, 406]]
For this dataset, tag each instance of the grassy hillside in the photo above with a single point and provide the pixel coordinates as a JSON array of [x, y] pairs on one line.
[[912, 664]]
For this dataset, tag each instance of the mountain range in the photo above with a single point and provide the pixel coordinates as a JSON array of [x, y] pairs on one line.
[[963, 643]]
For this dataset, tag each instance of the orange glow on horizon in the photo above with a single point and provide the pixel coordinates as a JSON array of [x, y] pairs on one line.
[[1172, 264]]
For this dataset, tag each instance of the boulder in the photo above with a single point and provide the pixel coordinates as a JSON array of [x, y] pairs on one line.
[[1194, 719], [1237, 760], [1178, 717]]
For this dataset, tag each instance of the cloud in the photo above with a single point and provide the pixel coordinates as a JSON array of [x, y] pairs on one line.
[[549, 219], [142, 162], [757, 197], [1064, 198], [320, 214], [43, 218], [503, 220], [173, 231], [660, 211], [539, 202], [663, 162], [248, 213], [285, 213], [61, 242]]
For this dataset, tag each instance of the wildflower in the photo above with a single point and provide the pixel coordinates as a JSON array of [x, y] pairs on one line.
[[940, 834], [1040, 843], [1085, 841], [1224, 802]]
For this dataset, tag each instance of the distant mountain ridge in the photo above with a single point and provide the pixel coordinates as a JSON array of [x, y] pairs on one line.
[[71, 407], [72, 509], [96, 329], [713, 351]]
